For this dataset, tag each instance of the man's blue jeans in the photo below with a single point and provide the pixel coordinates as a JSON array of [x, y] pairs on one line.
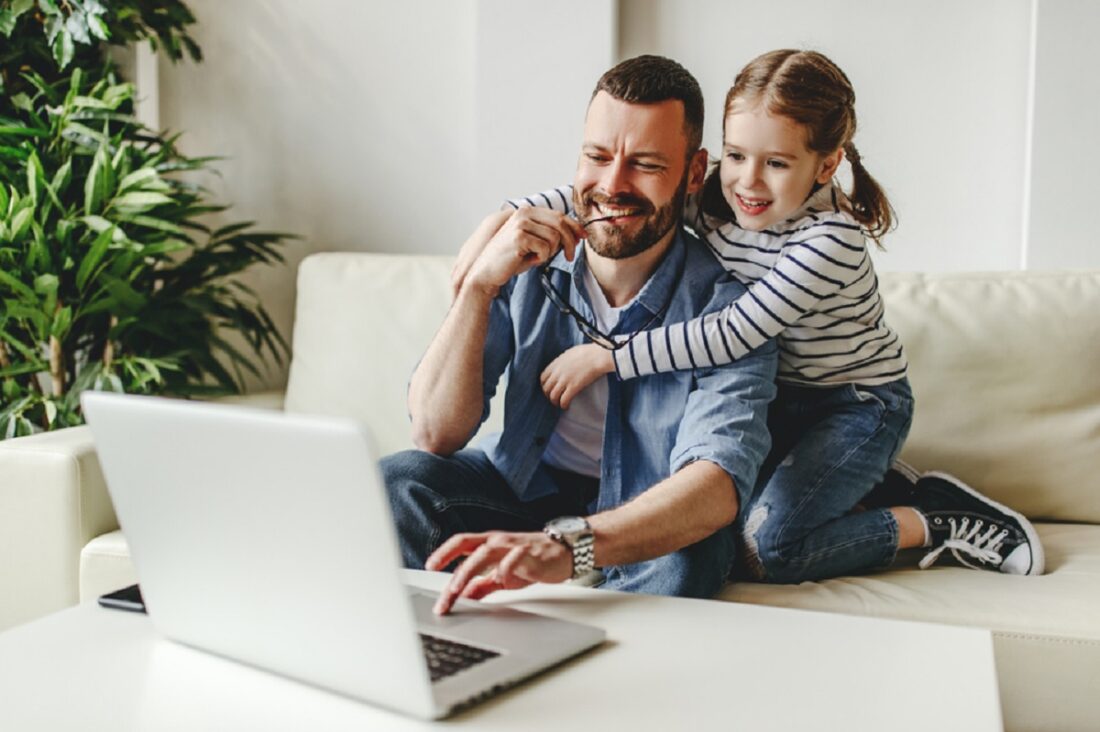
[[434, 497], [830, 447]]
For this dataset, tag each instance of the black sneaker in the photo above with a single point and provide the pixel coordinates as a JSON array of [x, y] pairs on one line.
[[896, 488], [979, 532]]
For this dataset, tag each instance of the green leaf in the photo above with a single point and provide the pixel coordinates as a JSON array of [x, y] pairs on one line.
[[34, 175], [17, 286], [61, 179], [51, 412], [137, 201], [167, 246], [62, 322], [40, 248], [21, 222], [23, 368], [23, 102], [77, 25], [7, 22], [84, 135], [38, 319], [63, 48], [97, 223], [93, 257], [125, 295], [158, 224], [18, 7], [98, 186], [117, 94], [226, 231], [138, 178], [21, 131], [46, 284], [98, 28], [83, 102]]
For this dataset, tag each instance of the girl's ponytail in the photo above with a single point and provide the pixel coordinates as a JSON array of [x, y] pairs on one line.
[[870, 206]]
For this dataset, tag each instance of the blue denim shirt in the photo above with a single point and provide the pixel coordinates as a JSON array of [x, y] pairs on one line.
[[655, 425]]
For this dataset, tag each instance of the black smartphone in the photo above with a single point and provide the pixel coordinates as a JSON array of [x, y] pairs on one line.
[[128, 598]]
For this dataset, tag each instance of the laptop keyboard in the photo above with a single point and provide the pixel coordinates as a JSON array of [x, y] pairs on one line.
[[446, 657]]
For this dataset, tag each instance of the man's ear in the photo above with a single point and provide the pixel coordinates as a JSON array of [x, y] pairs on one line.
[[697, 170], [827, 169]]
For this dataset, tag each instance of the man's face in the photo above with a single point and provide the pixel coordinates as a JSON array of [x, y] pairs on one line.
[[634, 168]]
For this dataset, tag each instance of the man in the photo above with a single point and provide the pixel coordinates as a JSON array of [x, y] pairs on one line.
[[641, 478]]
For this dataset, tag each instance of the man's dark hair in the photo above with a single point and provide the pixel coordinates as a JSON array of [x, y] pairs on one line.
[[653, 79]]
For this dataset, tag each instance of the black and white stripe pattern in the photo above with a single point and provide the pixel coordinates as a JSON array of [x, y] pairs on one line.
[[811, 283], [559, 199]]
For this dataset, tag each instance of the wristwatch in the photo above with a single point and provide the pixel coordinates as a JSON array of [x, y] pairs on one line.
[[574, 533]]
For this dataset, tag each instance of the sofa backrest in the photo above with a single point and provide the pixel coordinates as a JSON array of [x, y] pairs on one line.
[[361, 324], [1006, 372], [1002, 367]]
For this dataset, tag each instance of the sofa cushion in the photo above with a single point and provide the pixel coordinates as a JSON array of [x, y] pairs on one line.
[[1004, 374], [362, 322], [105, 566], [1063, 602]]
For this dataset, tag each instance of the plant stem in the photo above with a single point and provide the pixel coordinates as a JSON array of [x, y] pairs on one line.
[[57, 367], [109, 349]]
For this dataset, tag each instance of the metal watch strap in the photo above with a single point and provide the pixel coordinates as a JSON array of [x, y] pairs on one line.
[[584, 555], [581, 543]]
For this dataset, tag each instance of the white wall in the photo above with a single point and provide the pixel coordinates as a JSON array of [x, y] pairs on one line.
[[534, 73], [941, 98], [395, 126], [1065, 168]]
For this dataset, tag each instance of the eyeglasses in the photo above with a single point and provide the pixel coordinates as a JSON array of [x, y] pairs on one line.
[[590, 331]]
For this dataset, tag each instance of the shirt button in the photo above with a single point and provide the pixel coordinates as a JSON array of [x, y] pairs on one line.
[[540, 441]]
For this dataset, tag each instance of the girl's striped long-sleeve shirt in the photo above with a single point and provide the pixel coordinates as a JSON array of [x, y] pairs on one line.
[[810, 284]]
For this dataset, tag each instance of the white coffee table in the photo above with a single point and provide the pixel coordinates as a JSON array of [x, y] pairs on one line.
[[669, 664]]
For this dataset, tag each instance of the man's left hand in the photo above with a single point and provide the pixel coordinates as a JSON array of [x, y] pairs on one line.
[[498, 560]]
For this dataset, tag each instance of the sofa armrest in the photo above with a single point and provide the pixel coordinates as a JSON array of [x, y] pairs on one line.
[[53, 500]]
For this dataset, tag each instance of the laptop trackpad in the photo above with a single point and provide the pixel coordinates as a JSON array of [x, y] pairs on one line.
[[422, 605]]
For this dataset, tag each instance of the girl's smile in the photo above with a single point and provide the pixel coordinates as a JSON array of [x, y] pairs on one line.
[[752, 206]]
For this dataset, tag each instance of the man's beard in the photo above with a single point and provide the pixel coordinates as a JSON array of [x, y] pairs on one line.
[[612, 241]]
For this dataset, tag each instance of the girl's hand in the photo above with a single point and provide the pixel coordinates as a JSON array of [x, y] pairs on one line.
[[570, 373], [472, 247]]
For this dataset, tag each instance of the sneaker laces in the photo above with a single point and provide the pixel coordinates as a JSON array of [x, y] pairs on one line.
[[962, 539]]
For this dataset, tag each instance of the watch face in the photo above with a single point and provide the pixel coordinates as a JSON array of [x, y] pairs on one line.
[[569, 525]]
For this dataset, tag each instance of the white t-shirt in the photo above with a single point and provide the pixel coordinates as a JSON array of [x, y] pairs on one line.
[[577, 442]]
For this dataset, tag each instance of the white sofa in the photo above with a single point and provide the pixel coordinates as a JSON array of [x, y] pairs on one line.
[[1008, 398]]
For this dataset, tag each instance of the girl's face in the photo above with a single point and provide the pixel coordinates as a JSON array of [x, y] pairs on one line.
[[767, 171]]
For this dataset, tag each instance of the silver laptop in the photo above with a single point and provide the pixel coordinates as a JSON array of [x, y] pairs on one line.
[[267, 538]]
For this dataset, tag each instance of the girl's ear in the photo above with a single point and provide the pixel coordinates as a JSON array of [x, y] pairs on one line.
[[697, 170], [827, 168]]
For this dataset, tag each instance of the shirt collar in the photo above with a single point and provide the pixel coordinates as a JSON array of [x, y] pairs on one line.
[[658, 289], [829, 197]]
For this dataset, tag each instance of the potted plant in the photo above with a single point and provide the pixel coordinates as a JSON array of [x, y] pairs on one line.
[[109, 277]]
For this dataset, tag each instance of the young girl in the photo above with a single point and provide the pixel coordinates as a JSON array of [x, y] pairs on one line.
[[773, 214]]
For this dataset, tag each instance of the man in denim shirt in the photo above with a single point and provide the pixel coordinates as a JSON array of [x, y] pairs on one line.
[[642, 478]]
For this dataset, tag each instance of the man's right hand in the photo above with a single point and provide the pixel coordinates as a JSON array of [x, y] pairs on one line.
[[530, 237]]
